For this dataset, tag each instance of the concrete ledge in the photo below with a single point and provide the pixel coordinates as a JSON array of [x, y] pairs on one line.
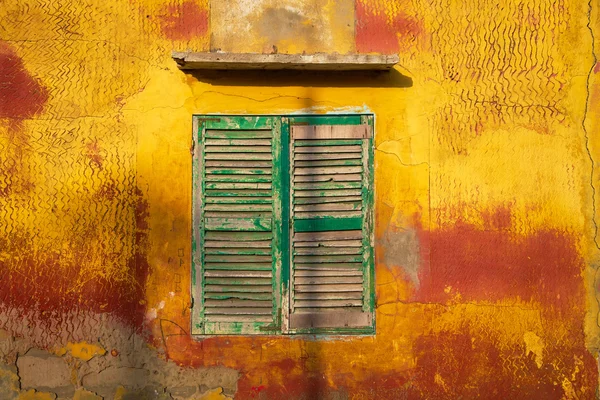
[[308, 62]]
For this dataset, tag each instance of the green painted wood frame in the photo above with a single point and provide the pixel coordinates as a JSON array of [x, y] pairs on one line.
[[280, 125]]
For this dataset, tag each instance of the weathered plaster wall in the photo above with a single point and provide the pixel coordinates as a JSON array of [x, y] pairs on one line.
[[486, 197]]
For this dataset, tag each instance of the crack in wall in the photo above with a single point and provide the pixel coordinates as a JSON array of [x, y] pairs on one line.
[[583, 122]]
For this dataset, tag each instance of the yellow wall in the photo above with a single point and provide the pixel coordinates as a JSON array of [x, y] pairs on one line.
[[486, 133]]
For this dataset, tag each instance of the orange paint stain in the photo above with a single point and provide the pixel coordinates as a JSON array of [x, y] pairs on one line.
[[184, 22]]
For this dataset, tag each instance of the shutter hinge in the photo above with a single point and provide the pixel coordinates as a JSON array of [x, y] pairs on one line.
[[193, 147], [192, 303]]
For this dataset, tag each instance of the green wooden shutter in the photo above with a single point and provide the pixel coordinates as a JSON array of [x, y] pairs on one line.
[[237, 217], [331, 195]]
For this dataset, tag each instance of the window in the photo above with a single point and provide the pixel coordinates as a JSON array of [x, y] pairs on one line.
[[282, 217]]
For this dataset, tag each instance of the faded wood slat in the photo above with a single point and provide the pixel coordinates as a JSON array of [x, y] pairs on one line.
[[238, 266], [317, 251], [225, 244], [237, 164], [236, 236], [238, 295], [328, 178], [210, 258], [238, 156], [237, 224], [327, 163], [235, 303], [310, 132], [237, 274], [326, 185], [238, 192], [237, 200], [329, 288], [343, 266], [237, 142], [349, 206], [329, 296], [238, 215], [253, 319], [218, 185], [327, 170], [238, 310], [237, 251], [329, 244], [238, 178], [238, 207], [322, 200], [327, 142], [325, 149], [326, 156], [320, 303], [251, 281], [237, 288], [236, 149], [328, 259], [327, 214], [238, 171], [328, 193], [326, 280]]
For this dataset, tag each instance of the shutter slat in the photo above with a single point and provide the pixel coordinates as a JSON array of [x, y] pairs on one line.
[[239, 156], [238, 193], [321, 303], [237, 164], [237, 236], [328, 178], [331, 243], [239, 171], [237, 288], [221, 244], [329, 296], [237, 149], [237, 274], [235, 266], [327, 170], [237, 142], [238, 200], [314, 157]]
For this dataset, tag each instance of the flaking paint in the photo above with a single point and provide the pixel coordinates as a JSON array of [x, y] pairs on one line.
[[486, 135]]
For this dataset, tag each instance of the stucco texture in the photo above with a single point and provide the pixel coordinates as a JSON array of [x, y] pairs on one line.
[[486, 195]]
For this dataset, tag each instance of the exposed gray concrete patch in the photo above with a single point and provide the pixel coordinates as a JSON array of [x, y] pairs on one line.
[[45, 372], [402, 250], [146, 393], [105, 381]]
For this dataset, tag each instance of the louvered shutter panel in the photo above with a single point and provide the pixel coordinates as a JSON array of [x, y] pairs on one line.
[[239, 228], [331, 227]]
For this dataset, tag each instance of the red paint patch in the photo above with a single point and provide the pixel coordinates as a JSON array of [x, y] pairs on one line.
[[21, 95], [55, 284], [375, 33], [470, 365], [492, 264], [597, 67], [184, 22]]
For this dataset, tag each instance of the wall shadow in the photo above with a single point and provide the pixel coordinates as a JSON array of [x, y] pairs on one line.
[[359, 79]]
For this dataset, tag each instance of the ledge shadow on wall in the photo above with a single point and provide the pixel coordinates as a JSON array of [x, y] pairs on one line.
[[374, 79]]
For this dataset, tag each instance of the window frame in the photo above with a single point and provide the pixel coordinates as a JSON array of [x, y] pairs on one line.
[[282, 270]]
